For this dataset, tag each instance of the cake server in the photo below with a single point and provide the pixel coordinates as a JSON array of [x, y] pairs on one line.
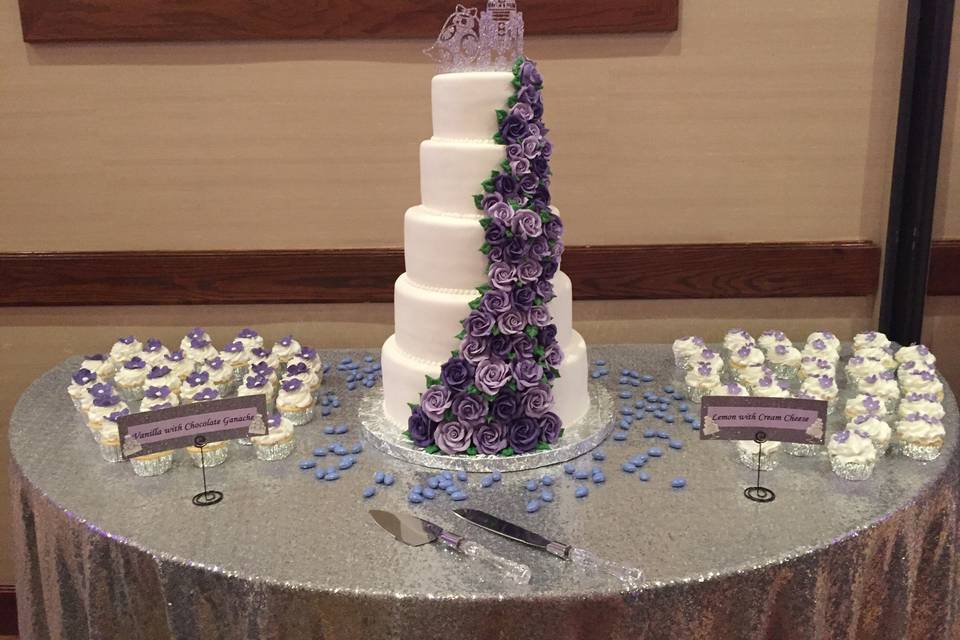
[[416, 531], [628, 576]]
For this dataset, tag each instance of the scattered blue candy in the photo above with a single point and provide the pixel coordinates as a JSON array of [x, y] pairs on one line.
[[325, 411], [546, 495], [626, 395], [569, 468], [678, 483], [458, 496], [368, 358], [598, 478], [581, 492], [600, 363], [378, 477], [634, 373], [668, 389], [328, 430], [428, 493], [320, 474], [626, 411], [341, 429], [325, 402], [696, 425], [388, 479], [486, 481], [644, 476], [620, 436], [447, 475], [308, 464], [533, 506], [676, 444], [369, 492], [444, 484], [625, 372], [581, 474], [462, 476], [496, 475], [345, 464], [649, 433], [351, 386], [417, 488], [624, 380], [663, 435], [625, 424], [433, 482], [332, 475], [647, 377], [654, 452], [599, 455], [678, 396], [451, 489], [629, 467], [669, 419], [320, 452], [634, 382], [531, 485], [638, 460], [346, 360], [683, 407], [547, 480], [414, 498], [595, 375], [688, 418]]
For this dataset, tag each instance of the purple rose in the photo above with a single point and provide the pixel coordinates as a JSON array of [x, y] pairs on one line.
[[134, 363], [198, 378], [523, 298], [524, 345], [511, 323], [520, 166], [553, 355], [506, 185], [523, 435], [528, 271], [158, 372], [547, 335], [496, 233], [478, 324], [152, 345], [512, 129], [490, 438], [435, 401], [540, 166], [495, 255], [528, 183], [84, 377], [550, 268], [453, 437], [514, 152], [175, 356], [546, 151], [527, 373], [474, 349], [515, 250], [506, 406], [539, 316], [501, 276], [536, 401], [529, 94], [491, 376], [500, 346], [495, 302], [540, 248], [157, 393], [556, 250], [553, 229], [531, 147], [545, 290], [527, 224], [456, 373], [550, 425], [420, 428], [522, 110], [501, 211], [470, 409]]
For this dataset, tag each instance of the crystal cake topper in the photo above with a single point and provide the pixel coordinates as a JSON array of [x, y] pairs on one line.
[[490, 41]]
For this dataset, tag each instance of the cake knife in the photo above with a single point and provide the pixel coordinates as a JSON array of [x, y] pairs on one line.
[[628, 576], [416, 531]]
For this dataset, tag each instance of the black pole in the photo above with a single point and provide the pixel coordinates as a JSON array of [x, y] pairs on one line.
[[923, 83]]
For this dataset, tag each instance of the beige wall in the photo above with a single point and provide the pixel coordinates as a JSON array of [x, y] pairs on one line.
[[756, 121]]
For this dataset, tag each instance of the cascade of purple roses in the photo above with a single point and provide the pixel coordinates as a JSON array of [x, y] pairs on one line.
[[494, 395]]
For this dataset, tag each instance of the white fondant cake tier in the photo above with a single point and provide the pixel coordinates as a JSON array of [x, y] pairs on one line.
[[465, 104], [427, 320], [451, 173], [404, 379]]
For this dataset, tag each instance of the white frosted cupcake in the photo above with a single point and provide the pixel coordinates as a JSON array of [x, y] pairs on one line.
[[204, 394], [917, 353], [784, 359], [306, 375], [264, 369], [99, 364], [199, 351], [878, 430], [312, 359], [923, 403], [911, 367], [158, 395], [730, 389], [687, 349], [221, 376], [278, 443], [214, 454], [94, 391], [870, 339], [237, 358], [296, 402], [179, 363], [101, 408], [883, 355], [921, 381], [746, 356], [770, 387], [124, 349], [193, 384], [707, 356], [249, 338], [736, 338], [858, 368], [129, 379], [197, 333], [110, 436], [80, 383], [163, 376], [864, 404], [260, 354], [750, 377], [921, 437], [754, 456], [153, 352], [883, 386], [832, 341], [258, 385], [152, 464], [811, 367], [822, 388], [770, 338], [852, 455], [700, 380], [821, 350], [286, 348]]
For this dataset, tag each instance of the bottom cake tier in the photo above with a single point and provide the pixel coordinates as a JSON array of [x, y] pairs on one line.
[[404, 379]]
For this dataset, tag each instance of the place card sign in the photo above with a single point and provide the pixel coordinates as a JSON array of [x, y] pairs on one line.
[[780, 419], [176, 427]]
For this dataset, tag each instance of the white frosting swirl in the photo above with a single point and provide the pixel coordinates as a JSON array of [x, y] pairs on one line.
[[103, 368], [171, 380], [850, 446], [746, 356], [880, 354], [199, 354], [863, 404], [752, 375], [923, 382], [828, 338], [922, 406], [788, 356], [870, 339], [219, 375], [120, 352], [275, 435], [878, 430], [286, 352], [736, 338], [236, 359], [702, 377], [753, 448], [687, 348], [917, 353], [296, 400], [150, 403], [821, 388], [821, 351], [770, 338], [732, 389], [886, 388], [814, 367], [768, 387], [859, 367], [125, 377], [921, 429]]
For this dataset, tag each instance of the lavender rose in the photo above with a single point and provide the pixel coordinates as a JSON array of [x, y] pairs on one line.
[[474, 349], [539, 316], [495, 302], [547, 335], [527, 373], [520, 167], [435, 401], [515, 250], [523, 435], [540, 166], [511, 323], [550, 426], [501, 276], [527, 224], [491, 376], [490, 438], [546, 151], [553, 355], [523, 298], [456, 373], [489, 199], [514, 152], [453, 437], [540, 248], [500, 346], [529, 183], [522, 110], [478, 324], [470, 409], [557, 249], [506, 406], [420, 428], [550, 268], [536, 401], [524, 345], [501, 211], [495, 255], [529, 94], [528, 271], [545, 290]]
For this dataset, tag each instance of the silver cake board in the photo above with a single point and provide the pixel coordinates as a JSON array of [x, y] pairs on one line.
[[578, 438]]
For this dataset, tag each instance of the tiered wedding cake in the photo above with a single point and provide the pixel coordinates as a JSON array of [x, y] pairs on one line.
[[478, 325]]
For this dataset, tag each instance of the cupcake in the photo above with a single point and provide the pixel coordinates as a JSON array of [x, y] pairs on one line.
[[193, 384], [750, 376], [221, 376], [158, 395], [249, 338], [859, 368], [262, 368], [736, 338], [152, 464], [811, 367], [731, 389], [870, 339], [179, 363], [124, 349], [784, 359], [883, 355], [312, 359], [699, 381], [821, 350], [258, 385], [922, 403], [100, 365], [883, 386], [278, 443], [259, 354], [80, 383], [852, 455], [921, 437], [153, 352], [94, 391], [830, 340], [746, 356], [285, 349], [199, 351], [197, 333], [770, 338], [917, 353], [864, 404], [129, 379], [295, 402], [822, 388], [878, 430], [912, 367], [707, 356], [204, 394], [102, 407], [755, 456], [306, 375], [770, 387], [110, 436], [921, 381], [214, 454], [237, 359], [686, 349], [163, 375]]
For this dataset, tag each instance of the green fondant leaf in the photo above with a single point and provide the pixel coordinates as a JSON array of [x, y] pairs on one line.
[[531, 330], [537, 302], [512, 100], [544, 217], [461, 335], [486, 222], [485, 249], [506, 453], [487, 186], [511, 356], [516, 83], [431, 381], [512, 385], [501, 114], [448, 415], [561, 432], [432, 449], [472, 389], [495, 331], [556, 374], [505, 165], [543, 446], [413, 406], [406, 434], [498, 138], [509, 233], [454, 354], [475, 303], [478, 200], [483, 288], [471, 450], [539, 351]]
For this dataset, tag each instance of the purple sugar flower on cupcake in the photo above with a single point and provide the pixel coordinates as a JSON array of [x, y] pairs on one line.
[[199, 343], [826, 382], [106, 400], [175, 356], [215, 363], [198, 378], [157, 393], [256, 382], [523, 435], [490, 438], [234, 347], [84, 377], [420, 428], [136, 362], [704, 369], [744, 351], [126, 339], [152, 345], [262, 369], [841, 437], [247, 332], [261, 353], [161, 406], [286, 341], [491, 376], [307, 353], [116, 415], [206, 394], [196, 332], [297, 369], [453, 437], [291, 385], [871, 404], [101, 389], [435, 401], [160, 371]]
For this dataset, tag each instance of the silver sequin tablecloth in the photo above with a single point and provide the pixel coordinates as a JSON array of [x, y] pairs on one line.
[[103, 554]]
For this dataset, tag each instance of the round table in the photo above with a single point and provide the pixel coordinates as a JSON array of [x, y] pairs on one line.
[[104, 554]]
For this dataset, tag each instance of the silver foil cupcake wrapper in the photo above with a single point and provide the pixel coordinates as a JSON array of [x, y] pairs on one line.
[[851, 470], [766, 462], [212, 457], [803, 450], [920, 451], [274, 452], [152, 466], [299, 418]]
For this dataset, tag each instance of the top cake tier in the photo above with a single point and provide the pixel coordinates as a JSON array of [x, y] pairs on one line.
[[465, 105]]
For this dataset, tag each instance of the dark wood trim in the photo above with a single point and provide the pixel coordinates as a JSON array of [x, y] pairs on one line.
[[8, 610], [138, 20], [945, 268], [758, 270]]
